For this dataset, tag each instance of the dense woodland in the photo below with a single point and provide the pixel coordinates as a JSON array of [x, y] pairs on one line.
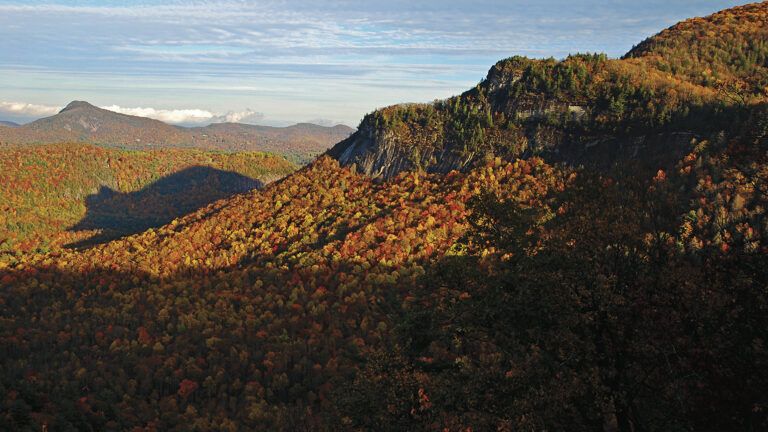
[[48, 189], [521, 293], [619, 304]]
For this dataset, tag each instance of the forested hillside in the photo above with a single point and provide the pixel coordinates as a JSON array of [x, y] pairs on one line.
[[690, 80], [54, 195], [729, 47], [572, 245]]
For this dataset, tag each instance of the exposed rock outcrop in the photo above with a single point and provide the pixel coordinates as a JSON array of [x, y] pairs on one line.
[[381, 156]]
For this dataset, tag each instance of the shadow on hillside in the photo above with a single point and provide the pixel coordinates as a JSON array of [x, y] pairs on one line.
[[115, 214], [137, 325]]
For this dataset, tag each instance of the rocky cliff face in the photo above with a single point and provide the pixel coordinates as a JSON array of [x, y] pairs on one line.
[[560, 110], [381, 156], [512, 115]]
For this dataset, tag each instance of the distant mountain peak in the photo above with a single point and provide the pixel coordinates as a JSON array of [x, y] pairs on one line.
[[81, 121], [76, 104]]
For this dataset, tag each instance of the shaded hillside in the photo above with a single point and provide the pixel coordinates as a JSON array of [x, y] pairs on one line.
[[278, 291], [651, 100], [113, 214], [82, 122], [45, 189], [8, 123]]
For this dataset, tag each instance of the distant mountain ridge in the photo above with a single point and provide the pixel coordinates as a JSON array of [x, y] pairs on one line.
[[82, 122], [8, 123]]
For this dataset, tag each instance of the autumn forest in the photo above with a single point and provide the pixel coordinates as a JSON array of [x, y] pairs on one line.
[[573, 244]]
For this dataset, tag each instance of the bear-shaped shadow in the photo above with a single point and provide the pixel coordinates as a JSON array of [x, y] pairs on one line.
[[116, 214]]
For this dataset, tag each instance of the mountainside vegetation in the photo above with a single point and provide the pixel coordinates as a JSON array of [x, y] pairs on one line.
[[726, 48], [624, 304], [519, 295], [571, 245], [48, 190]]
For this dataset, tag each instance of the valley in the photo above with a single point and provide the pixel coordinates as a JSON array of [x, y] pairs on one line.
[[60, 194]]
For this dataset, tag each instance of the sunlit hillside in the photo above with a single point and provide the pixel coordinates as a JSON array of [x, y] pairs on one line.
[[47, 190], [276, 298]]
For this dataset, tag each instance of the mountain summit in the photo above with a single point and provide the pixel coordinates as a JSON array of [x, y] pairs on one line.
[[77, 105]]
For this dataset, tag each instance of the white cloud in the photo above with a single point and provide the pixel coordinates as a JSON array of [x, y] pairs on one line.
[[21, 109], [323, 122], [248, 116], [302, 58], [176, 116], [189, 116]]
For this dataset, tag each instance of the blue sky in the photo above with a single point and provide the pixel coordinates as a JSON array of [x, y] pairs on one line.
[[281, 62]]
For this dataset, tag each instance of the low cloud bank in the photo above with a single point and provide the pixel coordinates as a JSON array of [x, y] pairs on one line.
[[21, 109], [172, 116]]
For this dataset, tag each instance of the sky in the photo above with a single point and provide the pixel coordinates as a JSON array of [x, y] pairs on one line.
[[282, 62]]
